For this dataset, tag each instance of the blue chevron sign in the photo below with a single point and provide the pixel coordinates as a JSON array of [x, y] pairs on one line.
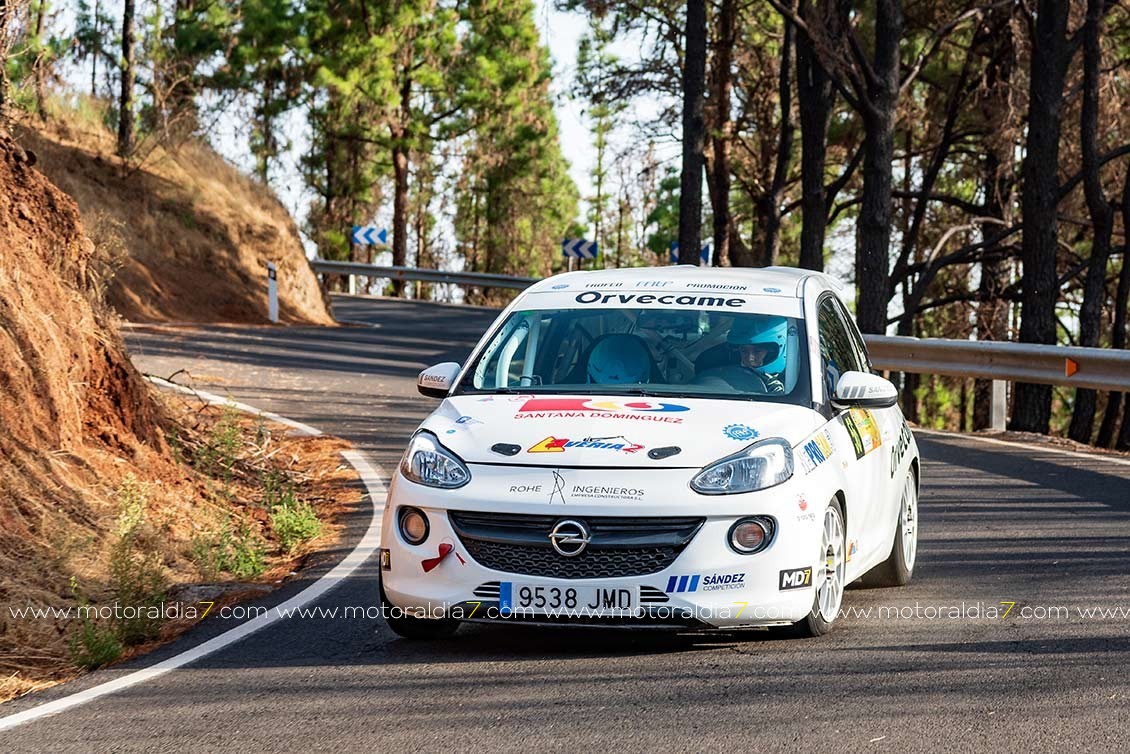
[[369, 235], [703, 253], [579, 248]]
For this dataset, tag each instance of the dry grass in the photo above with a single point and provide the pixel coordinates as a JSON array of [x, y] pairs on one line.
[[190, 502], [197, 234]]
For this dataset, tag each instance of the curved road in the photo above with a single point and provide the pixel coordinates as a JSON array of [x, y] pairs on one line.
[[1045, 530]]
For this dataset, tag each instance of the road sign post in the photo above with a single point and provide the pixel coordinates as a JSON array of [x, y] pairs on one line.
[[703, 254], [369, 235], [578, 248], [272, 292]]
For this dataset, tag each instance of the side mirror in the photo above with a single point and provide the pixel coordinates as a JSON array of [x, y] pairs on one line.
[[436, 382], [863, 390]]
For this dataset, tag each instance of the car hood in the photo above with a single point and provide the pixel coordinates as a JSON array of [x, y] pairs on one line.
[[585, 430]]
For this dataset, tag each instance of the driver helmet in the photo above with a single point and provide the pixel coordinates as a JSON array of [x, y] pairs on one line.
[[619, 360], [762, 337]]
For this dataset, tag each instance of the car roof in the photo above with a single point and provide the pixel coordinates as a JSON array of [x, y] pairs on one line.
[[779, 281]]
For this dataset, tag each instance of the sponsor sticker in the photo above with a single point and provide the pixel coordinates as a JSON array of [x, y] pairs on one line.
[[802, 503], [553, 444], [562, 489], [898, 451], [717, 286], [863, 430], [796, 578], [711, 582], [742, 432], [589, 408], [604, 492], [664, 299], [816, 451]]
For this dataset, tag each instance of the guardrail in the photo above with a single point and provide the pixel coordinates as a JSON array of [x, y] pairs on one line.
[[1098, 368], [475, 279], [1002, 362]]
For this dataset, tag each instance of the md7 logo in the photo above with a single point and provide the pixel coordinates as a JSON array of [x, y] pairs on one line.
[[796, 578]]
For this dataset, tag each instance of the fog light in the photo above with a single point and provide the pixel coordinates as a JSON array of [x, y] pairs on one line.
[[413, 525], [750, 535]]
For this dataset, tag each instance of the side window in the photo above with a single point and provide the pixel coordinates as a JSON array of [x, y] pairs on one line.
[[837, 351], [857, 340]]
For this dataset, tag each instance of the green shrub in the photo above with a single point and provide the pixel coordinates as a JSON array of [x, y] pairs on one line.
[[220, 451], [136, 577], [293, 521], [92, 645], [241, 552]]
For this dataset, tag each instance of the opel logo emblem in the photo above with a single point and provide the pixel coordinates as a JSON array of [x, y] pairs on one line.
[[569, 538]]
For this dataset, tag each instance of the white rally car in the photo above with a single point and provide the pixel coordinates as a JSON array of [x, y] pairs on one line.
[[654, 447]]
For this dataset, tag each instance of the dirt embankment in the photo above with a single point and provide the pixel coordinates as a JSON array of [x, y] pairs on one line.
[[74, 413], [109, 495], [193, 235]]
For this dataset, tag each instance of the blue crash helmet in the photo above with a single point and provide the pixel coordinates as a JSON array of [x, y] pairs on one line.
[[619, 360], [768, 330]]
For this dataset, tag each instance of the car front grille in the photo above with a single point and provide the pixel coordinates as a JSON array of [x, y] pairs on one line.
[[621, 546]]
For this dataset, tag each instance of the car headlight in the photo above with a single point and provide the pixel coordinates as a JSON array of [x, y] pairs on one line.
[[762, 465], [428, 463]]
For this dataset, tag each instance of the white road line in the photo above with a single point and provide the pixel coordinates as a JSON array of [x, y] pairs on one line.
[[1104, 457], [373, 478], [305, 429]]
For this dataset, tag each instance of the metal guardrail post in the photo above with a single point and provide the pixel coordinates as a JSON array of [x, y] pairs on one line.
[[998, 405]]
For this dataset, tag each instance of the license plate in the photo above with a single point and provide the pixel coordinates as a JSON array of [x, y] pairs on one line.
[[526, 598]]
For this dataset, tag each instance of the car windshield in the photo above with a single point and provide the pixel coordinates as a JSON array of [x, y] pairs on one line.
[[662, 352]]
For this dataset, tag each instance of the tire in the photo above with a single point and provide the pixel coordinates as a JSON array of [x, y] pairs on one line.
[[829, 582], [897, 569], [407, 627]]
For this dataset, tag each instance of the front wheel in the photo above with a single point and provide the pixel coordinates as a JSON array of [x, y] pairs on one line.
[[899, 565], [408, 627], [828, 577]]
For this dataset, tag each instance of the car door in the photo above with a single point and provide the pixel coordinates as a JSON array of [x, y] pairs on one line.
[[893, 432], [856, 433]]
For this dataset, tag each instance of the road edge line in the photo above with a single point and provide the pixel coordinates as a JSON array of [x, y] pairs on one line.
[[372, 476]]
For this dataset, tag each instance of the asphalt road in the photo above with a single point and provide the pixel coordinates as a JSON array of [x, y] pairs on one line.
[[999, 524]]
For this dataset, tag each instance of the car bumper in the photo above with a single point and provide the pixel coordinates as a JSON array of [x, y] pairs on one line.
[[439, 577]]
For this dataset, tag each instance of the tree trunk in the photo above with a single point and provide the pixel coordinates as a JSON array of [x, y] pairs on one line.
[[722, 133], [3, 66], [816, 97], [400, 184], [694, 84], [1119, 336], [874, 223], [1031, 406], [776, 193], [94, 54], [37, 64], [181, 103], [1101, 211], [399, 212], [125, 100], [996, 184], [1118, 331]]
